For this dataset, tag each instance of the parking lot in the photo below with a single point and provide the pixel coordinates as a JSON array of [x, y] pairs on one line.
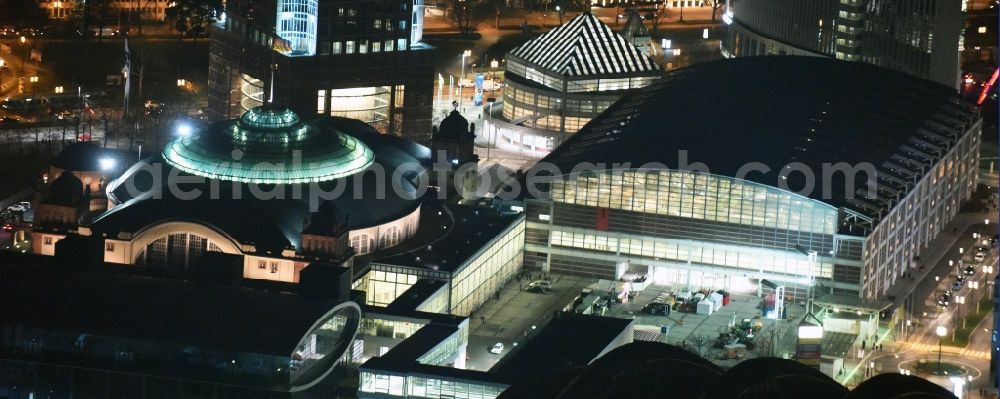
[[509, 319], [684, 327]]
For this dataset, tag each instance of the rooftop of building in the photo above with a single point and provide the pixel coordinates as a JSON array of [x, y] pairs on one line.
[[403, 358], [474, 228], [419, 292], [552, 350], [783, 112], [584, 47], [269, 145], [146, 197], [162, 310], [546, 352]]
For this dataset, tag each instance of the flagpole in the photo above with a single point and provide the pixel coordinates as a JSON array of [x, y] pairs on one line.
[[127, 71]]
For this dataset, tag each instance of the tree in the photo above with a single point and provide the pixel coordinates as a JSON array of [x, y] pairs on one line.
[[716, 5], [699, 344], [23, 14], [191, 17], [93, 13], [462, 16]]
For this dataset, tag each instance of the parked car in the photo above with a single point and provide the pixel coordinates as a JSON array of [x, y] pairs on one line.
[[960, 278], [496, 348], [545, 284], [535, 289], [19, 207], [944, 299], [969, 270], [8, 227], [980, 256], [956, 286]]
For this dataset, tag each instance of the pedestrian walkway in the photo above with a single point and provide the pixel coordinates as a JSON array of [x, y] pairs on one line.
[[934, 254]]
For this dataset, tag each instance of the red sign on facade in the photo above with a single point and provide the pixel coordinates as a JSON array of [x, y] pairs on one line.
[[602, 219]]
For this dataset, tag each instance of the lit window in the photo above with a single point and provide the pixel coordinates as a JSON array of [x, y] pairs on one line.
[[402, 25], [350, 47], [262, 264], [376, 47], [363, 47], [47, 240], [544, 217], [982, 29], [321, 102], [400, 44], [377, 24], [274, 267], [109, 247], [336, 48], [388, 45]]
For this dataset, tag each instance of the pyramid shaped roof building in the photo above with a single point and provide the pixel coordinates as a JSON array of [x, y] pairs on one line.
[[584, 46]]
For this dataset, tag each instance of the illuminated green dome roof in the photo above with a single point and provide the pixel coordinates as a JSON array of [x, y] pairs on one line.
[[269, 145]]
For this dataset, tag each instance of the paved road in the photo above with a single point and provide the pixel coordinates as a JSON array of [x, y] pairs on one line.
[[509, 318]]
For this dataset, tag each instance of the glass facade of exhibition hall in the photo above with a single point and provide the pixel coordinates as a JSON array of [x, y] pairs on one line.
[[555, 105], [694, 229], [471, 284], [385, 385]]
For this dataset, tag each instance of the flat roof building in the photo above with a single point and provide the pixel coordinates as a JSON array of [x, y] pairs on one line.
[[454, 273], [410, 371], [829, 191], [558, 81], [916, 37]]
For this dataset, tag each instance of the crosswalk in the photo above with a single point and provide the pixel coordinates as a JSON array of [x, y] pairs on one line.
[[963, 352]]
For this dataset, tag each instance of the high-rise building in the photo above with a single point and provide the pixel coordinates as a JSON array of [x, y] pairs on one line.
[[357, 59], [917, 37]]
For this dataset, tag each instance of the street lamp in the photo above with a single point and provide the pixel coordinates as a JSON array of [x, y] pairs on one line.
[[33, 80], [941, 331], [961, 251], [24, 54], [466, 53]]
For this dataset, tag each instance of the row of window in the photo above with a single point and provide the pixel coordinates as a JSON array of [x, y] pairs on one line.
[[780, 262], [697, 196], [362, 46], [262, 265], [421, 387]]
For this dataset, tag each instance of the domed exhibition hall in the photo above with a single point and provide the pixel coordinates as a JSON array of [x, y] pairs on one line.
[[728, 227], [278, 191]]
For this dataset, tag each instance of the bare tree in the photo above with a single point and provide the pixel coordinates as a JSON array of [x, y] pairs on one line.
[[716, 5], [462, 16], [700, 343]]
